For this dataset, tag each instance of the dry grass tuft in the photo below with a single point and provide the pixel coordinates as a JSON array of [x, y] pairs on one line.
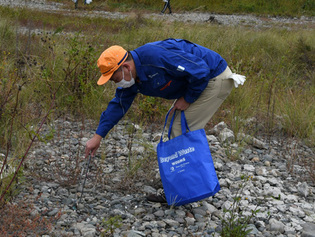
[[21, 219]]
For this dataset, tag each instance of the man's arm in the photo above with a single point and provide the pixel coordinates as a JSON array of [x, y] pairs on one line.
[[116, 109]]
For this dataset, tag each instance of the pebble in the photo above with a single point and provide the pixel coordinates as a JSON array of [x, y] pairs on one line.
[[308, 230]]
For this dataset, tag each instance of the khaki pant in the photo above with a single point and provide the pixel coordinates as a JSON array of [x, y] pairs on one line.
[[201, 111]]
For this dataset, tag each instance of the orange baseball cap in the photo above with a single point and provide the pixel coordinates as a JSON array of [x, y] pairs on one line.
[[109, 61]]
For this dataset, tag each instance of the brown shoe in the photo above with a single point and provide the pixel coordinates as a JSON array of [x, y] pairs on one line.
[[159, 197]]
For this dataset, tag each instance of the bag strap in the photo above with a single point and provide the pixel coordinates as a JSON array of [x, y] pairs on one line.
[[161, 140], [184, 124]]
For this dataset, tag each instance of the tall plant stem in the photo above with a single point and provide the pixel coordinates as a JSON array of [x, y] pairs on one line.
[[44, 119]]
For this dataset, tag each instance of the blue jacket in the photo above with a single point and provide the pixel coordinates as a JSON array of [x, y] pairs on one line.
[[170, 69]]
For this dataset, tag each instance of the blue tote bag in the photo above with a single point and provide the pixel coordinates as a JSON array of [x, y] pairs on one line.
[[186, 166]]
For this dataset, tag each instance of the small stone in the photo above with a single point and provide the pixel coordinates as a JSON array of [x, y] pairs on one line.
[[199, 211], [134, 233], [226, 135], [308, 230], [275, 225], [249, 168], [296, 211], [190, 221], [212, 139], [218, 128], [53, 212], [261, 171], [159, 213], [172, 222], [148, 189], [268, 158], [148, 217], [303, 189], [272, 191], [255, 159], [209, 207]]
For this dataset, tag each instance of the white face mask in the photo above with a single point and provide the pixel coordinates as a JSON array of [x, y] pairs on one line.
[[125, 84]]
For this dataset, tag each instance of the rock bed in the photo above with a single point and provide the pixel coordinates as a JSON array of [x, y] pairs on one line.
[[286, 203], [192, 17]]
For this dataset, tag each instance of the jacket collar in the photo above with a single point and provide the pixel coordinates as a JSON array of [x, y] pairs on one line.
[[140, 73]]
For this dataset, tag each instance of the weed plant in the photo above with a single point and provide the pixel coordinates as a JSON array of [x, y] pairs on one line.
[[140, 167], [110, 225], [234, 222], [17, 220]]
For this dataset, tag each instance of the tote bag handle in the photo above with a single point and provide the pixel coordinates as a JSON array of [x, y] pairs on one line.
[[184, 124]]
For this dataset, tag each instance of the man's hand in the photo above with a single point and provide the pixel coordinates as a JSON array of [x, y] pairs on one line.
[[92, 145], [180, 104]]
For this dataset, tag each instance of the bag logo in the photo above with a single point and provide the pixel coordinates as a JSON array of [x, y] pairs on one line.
[[177, 154], [179, 161]]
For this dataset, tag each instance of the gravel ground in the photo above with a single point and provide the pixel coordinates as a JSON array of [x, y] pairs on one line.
[[286, 200], [192, 17]]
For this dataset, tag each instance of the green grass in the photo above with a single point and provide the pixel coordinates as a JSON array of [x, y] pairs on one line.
[[275, 61]]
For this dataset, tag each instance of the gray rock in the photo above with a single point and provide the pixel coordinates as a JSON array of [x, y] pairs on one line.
[[226, 135], [276, 226], [249, 168], [260, 225], [218, 128], [259, 144], [190, 221], [254, 231], [261, 171], [159, 213], [148, 217], [53, 212], [199, 211], [308, 230], [134, 233], [212, 139], [252, 141], [62, 192], [172, 223], [272, 191], [180, 213], [296, 211], [267, 157], [149, 189], [303, 189], [209, 207]]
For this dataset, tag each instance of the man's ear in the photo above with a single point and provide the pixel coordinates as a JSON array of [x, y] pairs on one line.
[[127, 65]]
